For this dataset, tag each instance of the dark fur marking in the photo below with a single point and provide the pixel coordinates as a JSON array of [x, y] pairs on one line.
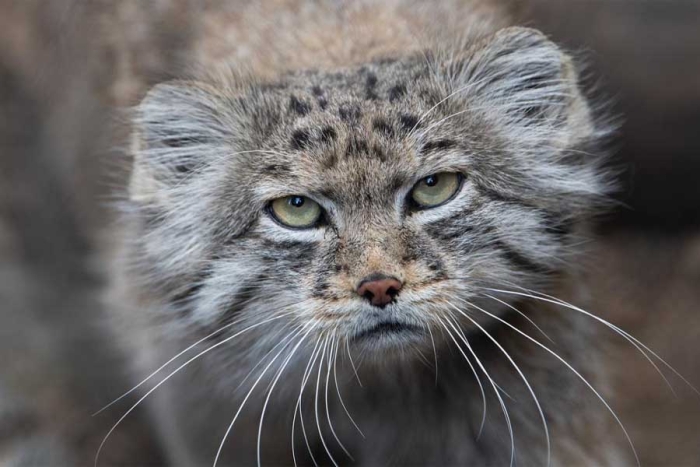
[[397, 92], [498, 196], [298, 106], [287, 245], [349, 112], [320, 98], [520, 261], [378, 151], [246, 294], [175, 141], [330, 161], [382, 126], [300, 139], [356, 146], [441, 144], [408, 122], [556, 226], [328, 134], [371, 87], [192, 290], [152, 217], [276, 169]]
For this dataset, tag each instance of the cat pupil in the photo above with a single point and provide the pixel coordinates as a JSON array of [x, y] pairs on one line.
[[297, 201], [431, 180]]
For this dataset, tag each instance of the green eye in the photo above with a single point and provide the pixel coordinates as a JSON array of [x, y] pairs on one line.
[[436, 189], [296, 211]]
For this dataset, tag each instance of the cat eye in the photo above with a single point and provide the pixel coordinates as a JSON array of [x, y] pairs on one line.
[[298, 212], [436, 189]]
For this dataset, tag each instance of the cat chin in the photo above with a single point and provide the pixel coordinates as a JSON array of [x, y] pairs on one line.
[[388, 338]]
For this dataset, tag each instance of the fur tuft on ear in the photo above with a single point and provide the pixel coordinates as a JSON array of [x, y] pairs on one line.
[[526, 79], [177, 127]]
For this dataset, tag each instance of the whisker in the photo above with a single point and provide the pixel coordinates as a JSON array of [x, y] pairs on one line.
[[288, 339], [170, 375], [631, 339], [570, 367], [515, 365], [352, 363], [318, 384], [340, 398], [298, 410], [523, 315], [272, 387], [149, 377], [504, 409], [432, 341], [332, 357], [478, 380]]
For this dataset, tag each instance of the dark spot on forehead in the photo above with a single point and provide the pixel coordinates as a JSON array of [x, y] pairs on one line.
[[330, 160], [300, 139], [328, 134], [349, 112], [370, 87], [356, 146], [397, 91], [440, 144], [298, 106], [382, 126], [378, 151], [321, 99], [408, 121], [371, 79]]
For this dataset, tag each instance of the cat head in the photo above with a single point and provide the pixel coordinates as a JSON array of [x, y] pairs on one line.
[[370, 204]]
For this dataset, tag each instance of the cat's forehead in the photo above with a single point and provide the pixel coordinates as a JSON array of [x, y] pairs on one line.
[[344, 128]]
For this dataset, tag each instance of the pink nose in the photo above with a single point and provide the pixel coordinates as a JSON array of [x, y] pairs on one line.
[[378, 289]]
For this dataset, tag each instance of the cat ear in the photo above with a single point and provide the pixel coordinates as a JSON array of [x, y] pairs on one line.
[[520, 75], [177, 127]]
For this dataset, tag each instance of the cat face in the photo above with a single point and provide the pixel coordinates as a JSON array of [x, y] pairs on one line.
[[372, 204]]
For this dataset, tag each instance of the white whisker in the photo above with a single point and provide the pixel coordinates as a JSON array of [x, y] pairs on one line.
[[432, 341], [352, 363], [286, 341], [298, 409], [478, 380], [171, 374], [572, 369], [332, 357], [631, 339], [515, 365], [340, 398], [318, 384], [272, 387], [523, 315]]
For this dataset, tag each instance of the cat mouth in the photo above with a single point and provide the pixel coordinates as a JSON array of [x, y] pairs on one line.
[[386, 328]]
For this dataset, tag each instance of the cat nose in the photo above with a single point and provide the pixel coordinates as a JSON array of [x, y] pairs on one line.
[[379, 289]]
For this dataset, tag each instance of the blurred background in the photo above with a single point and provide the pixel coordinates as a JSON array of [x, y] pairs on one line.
[[66, 65]]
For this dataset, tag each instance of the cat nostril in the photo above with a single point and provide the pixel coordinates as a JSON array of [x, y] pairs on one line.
[[379, 289]]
